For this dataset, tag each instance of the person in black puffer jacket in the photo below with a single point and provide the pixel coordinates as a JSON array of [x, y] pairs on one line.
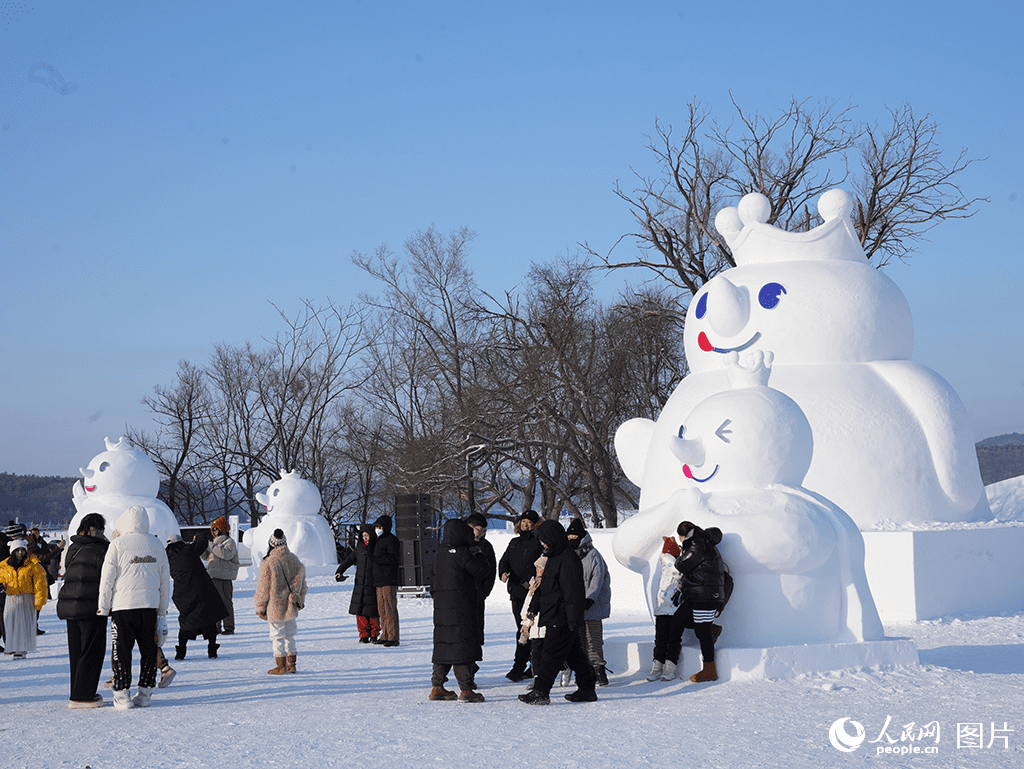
[[199, 605], [559, 605], [387, 555], [77, 604], [364, 594], [457, 569], [516, 569], [702, 589]]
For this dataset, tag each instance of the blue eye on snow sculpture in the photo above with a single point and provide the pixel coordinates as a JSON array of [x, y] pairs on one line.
[[702, 305], [769, 295]]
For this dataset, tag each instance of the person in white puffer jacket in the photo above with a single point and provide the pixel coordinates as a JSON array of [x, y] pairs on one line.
[[135, 588]]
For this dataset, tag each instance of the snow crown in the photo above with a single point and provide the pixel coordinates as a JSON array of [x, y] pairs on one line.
[[752, 240], [752, 372]]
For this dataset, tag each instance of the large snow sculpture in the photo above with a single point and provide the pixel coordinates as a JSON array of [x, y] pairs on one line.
[[892, 441], [293, 505], [114, 481], [797, 559]]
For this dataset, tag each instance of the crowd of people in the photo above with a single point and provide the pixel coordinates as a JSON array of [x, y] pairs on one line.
[[558, 584]]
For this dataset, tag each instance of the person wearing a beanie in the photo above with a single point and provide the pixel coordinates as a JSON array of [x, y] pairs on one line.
[[222, 565], [558, 605], [516, 569], [387, 555], [280, 595], [24, 581], [478, 523], [598, 591]]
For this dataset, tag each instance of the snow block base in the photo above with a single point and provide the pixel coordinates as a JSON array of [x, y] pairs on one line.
[[775, 662], [918, 575]]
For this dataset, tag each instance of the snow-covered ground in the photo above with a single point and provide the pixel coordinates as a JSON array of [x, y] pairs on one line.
[[359, 706], [1006, 498]]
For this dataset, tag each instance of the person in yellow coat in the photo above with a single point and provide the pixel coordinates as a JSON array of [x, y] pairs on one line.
[[24, 581]]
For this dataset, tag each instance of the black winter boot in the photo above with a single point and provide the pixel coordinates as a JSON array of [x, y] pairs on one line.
[[179, 652], [535, 697]]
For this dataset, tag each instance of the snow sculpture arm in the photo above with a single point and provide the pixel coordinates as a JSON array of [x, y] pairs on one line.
[[946, 426], [632, 440], [782, 534]]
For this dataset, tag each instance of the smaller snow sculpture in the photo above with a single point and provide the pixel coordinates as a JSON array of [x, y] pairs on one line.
[[114, 481], [293, 505], [797, 559]]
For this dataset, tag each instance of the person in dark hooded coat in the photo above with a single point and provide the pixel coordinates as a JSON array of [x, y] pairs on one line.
[[458, 568], [559, 605], [702, 590], [199, 605], [364, 593]]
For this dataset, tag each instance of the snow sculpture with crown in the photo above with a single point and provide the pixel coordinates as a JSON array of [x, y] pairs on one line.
[[797, 559], [293, 505], [114, 481], [892, 442]]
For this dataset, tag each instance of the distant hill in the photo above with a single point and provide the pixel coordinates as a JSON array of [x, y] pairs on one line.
[[1010, 439], [997, 463], [33, 498], [36, 499]]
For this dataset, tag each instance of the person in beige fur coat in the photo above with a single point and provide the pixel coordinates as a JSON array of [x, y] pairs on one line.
[[280, 594]]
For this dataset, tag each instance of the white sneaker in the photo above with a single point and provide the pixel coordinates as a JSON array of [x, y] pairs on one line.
[[656, 670], [122, 701], [669, 673], [566, 677], [144, 697]]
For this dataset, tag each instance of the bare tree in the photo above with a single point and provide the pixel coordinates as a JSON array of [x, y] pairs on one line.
[[300, 379], [902, 186], [423, 358], [236, 439], [181, 413], [563, 369], [905, 187]]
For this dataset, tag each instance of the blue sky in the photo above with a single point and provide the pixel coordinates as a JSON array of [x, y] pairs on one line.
[[207, 160]]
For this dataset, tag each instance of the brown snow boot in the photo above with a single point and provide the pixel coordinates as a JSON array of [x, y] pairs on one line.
[[468, 695], [707, 673], [440, 693], [280, 670], [289, 662]]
